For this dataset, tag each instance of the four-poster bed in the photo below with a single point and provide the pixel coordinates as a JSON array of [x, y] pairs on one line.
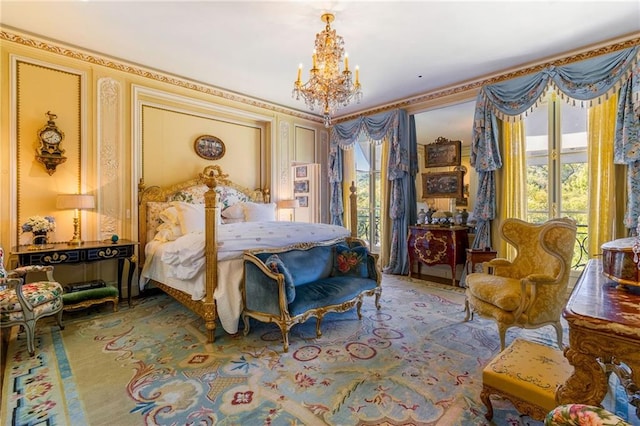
[[198, 261]]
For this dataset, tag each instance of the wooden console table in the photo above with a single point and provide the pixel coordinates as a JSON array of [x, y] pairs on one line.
[[89, 251], [436, 245], [604, 337]]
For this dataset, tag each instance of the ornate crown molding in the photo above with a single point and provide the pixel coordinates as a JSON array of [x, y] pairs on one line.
[[477, 84], [76, 53]]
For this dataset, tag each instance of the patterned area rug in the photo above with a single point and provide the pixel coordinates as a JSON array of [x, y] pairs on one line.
[[414, 362]]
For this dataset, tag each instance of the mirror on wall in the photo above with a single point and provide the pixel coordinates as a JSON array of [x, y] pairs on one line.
[[452, 122]]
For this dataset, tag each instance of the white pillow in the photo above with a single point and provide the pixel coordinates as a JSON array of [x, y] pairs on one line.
[[169, 215], [191, 216], [168, 232], [254, 212], [235, 211]]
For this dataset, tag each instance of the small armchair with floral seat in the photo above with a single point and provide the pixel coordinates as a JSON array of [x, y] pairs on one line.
[[530, 291], [582, 415], [24, 304]]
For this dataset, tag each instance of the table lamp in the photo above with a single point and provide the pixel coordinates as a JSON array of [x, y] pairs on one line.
[[76, 202], [289, 204]]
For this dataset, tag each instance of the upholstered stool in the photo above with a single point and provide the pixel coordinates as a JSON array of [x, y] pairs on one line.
[[94, 296], [527, 374]]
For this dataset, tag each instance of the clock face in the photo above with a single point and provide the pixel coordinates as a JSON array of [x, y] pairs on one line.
[[51, 136]]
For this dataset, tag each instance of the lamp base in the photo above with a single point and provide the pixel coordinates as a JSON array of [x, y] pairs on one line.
[[75, 242]]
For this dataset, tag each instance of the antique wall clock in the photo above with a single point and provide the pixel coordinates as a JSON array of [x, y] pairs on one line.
[[49, 152]]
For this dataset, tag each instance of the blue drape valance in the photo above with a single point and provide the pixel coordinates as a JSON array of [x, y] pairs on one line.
[[394, 126], [584, 81]]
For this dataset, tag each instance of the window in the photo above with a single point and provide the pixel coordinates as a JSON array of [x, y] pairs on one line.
[[557, 172], [368, 173]]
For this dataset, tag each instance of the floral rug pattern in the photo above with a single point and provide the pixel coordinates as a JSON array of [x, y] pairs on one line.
[[413, 362]]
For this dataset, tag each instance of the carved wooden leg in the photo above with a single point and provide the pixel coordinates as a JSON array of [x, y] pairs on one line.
[[485, 396], [285, 337], [378, 294], [59, 319], [468, 314], [588, 382], [502, 331], [558, 328], [358, 306], [211, 330], [318, 324], [245, 320]]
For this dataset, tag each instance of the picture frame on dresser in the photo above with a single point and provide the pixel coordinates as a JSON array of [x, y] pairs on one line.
[[443, 184], [442, 153]]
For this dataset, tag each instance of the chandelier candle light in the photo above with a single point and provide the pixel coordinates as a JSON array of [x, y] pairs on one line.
[[328, 88], [75, 202]]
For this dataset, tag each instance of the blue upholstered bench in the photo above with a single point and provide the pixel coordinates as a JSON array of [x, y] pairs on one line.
[[287, 286]]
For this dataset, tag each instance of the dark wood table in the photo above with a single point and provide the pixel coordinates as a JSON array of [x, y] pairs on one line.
[[89, 251], [437, 245], [604, 338]]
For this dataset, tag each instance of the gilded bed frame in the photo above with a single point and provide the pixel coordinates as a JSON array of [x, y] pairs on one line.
[[212, 176]]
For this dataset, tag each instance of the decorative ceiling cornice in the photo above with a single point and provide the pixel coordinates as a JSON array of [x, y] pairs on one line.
[[78, 54], [477, 84], [140, 71]]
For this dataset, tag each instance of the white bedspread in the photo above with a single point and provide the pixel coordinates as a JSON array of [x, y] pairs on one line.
[[180, 263]]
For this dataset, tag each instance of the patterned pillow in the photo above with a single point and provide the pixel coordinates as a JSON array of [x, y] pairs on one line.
[[275, 265], [350, 261]]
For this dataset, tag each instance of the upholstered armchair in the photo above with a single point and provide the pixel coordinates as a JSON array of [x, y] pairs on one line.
[[24, 304], [530, 291]]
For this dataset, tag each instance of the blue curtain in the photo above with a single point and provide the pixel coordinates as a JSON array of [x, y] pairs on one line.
[[580, 81], [401, 168]]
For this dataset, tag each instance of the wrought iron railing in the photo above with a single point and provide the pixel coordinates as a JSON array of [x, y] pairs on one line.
[[581, 253]]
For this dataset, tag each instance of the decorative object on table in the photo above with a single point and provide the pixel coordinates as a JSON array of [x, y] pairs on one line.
[[76, 202], [443, 184], [49, 152], [39, 226], [114, 238], [422, 216], [461, 217], [429, 217], [328, 88], [209, 147], [619, 261], [443, 153]]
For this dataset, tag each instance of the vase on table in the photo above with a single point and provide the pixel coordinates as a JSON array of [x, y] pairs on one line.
[[39, 238]]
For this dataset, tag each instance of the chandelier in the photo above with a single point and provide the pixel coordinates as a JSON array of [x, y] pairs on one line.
[[328, 88]]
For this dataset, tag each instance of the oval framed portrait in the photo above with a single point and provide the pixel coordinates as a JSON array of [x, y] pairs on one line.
[[209, 147]]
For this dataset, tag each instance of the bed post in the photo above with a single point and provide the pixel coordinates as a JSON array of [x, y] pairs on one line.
[[353, 210], [210, 175]]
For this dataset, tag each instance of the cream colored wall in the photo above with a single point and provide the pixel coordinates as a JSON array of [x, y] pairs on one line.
[[122, 123]]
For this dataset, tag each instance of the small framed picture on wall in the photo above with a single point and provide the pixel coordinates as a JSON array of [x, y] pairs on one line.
[[301, 186], [301, 171], [303, 201]]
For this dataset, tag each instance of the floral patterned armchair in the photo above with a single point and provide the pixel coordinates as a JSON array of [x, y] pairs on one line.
[[24, 304], [529, 291]]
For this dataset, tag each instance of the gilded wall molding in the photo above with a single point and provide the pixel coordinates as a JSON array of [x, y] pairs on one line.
[[110, 158], [20, 142], [285, 165], [150, 74]]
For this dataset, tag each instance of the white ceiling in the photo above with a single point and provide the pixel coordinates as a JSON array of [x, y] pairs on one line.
[[403, 48]]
